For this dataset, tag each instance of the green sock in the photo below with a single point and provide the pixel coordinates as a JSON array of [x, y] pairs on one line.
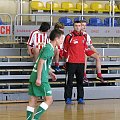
[[30, 111], [40, 110]]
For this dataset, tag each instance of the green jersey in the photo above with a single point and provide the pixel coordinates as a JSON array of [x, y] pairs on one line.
[[46, 54]]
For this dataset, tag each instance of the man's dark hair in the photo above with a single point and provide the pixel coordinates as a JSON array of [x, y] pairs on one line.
[[55, 33], [44, 27], [76, 22]]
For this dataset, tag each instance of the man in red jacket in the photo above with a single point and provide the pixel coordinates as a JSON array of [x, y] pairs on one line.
[[74, 47]]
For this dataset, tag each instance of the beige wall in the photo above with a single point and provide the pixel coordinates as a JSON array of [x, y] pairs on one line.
[[12, 7], [8, 6]]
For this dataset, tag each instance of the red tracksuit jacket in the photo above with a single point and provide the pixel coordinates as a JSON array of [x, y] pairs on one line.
[[74, 48]]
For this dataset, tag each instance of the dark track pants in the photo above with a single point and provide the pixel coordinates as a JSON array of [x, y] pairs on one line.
[[72, 69]]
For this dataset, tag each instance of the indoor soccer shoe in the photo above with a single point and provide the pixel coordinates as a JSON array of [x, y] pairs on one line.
[[81, 101], [101, 79], [68, 101], [57, 69], [85, 80]]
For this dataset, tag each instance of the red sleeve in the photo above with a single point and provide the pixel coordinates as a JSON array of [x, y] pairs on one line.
[[30, 38], [66, 46], [30, 41]]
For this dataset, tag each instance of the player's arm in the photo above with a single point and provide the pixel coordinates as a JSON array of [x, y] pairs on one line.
[[39, 71], [66, 46], [51, 70]]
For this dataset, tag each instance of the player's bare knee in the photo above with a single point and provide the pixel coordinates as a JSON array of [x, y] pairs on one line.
[[32, 101], [96, 56], [49, 100]]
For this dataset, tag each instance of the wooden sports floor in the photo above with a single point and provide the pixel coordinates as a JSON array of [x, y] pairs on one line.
[[107, 109]]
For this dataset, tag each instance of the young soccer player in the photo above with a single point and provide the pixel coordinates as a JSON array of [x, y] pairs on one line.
[[92, 52], [58, 50], [39, 85], [37, 40]]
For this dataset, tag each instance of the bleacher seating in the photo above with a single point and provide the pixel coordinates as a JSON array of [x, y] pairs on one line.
[[79, 6], [96, 6], [14, 77], [109, 22], [107, 8], [95, 22], [86, 7], [37, 5], [67, 6], [66, 21], [55, 6], [79, 18]]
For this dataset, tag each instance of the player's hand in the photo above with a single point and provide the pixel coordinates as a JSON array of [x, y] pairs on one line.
[[53, 76], [29, 53], [38, 82], [51, 70]]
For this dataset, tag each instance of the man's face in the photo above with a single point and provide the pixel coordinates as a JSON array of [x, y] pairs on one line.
[[77, 27], [83, 27]]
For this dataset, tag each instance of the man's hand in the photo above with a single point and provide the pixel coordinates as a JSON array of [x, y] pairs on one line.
[[38, 82], [53, 76]]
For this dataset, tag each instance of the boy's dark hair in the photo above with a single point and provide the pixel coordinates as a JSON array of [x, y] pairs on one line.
[[59, 25], [55, 33], [83, 21], [76, 22], [44, 27]]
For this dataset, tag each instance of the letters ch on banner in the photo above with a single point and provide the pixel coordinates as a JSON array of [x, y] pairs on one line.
[[5, 29]]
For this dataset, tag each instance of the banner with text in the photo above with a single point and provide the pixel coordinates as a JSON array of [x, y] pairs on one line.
[[5, 30], [25, 31]]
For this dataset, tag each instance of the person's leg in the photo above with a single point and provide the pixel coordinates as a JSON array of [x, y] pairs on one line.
[[79, 79], [98, 66], [71, 67], [85, 80], [43, 107], [45, 91], [30, 107], [98, 62]]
